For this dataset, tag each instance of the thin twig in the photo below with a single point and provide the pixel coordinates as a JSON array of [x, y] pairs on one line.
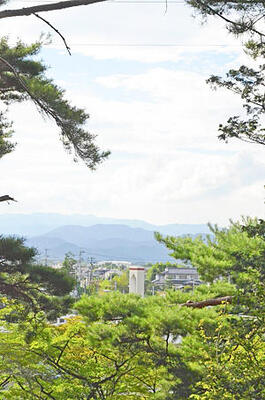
[[166, 8], [56, 30]]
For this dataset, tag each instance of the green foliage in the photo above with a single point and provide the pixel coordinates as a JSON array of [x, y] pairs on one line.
[[235, 361], [69, 262], [35, 286], [5, 134], [105, 284], [235, 358], [218, 256], [122, 282], [248, 83], [242, 17], [125, 346], [22, 78]]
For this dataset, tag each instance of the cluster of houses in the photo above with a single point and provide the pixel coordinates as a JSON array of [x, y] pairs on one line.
[[176, 277], [85, 274]]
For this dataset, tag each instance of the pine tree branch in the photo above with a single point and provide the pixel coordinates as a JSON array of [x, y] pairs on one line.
[[205, 6], [19, 291], [208, 302], [42, 106], [25, 11]]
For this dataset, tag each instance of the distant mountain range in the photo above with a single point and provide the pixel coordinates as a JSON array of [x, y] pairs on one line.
[[107, 239], [102, 242], [38, 224]]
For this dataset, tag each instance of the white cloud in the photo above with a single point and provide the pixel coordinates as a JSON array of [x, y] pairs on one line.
[[166, 164], [181, 111]]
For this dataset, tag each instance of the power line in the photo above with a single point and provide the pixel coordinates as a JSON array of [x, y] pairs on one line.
[[149, 45]]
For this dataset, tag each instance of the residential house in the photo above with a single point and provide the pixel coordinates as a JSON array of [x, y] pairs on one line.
[[177, 277]]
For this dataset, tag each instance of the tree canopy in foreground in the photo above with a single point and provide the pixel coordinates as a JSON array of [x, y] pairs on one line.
[[34, 287], [123, 346]]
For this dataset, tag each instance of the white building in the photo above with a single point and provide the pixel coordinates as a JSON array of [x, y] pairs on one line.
[[136, 280]]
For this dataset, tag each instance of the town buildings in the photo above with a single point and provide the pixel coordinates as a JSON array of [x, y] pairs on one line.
[[177, 277]]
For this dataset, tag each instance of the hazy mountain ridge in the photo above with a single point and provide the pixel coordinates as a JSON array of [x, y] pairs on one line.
[[101, 238], [83, 235], [103, 242], [41, 223]]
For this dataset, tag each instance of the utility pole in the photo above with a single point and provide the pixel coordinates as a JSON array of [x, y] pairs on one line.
[[46, 257], [79, 263], [80, 256], [91, 261]]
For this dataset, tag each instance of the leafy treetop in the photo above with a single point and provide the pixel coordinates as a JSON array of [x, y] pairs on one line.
[[244, 18], [156, 348], [35, 286], [241, 16]]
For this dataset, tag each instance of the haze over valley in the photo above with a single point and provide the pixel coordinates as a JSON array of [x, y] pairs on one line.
[[101, 238]]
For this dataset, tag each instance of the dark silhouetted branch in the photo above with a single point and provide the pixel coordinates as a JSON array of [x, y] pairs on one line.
[[56, 30], [6, 198], [20, 12]]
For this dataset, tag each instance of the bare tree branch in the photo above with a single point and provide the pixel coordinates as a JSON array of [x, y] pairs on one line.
[[19, 12], [56, 30], [5, 381], [208, 302]]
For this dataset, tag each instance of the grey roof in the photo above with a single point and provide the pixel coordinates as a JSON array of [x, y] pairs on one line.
[[188, 271]]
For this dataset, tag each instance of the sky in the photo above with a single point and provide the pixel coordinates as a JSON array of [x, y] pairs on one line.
[[139, 70]]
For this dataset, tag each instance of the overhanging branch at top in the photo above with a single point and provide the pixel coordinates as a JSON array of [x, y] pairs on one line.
[[25, 11]]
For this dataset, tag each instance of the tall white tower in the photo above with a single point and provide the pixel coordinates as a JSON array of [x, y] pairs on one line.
[[136, 280]]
